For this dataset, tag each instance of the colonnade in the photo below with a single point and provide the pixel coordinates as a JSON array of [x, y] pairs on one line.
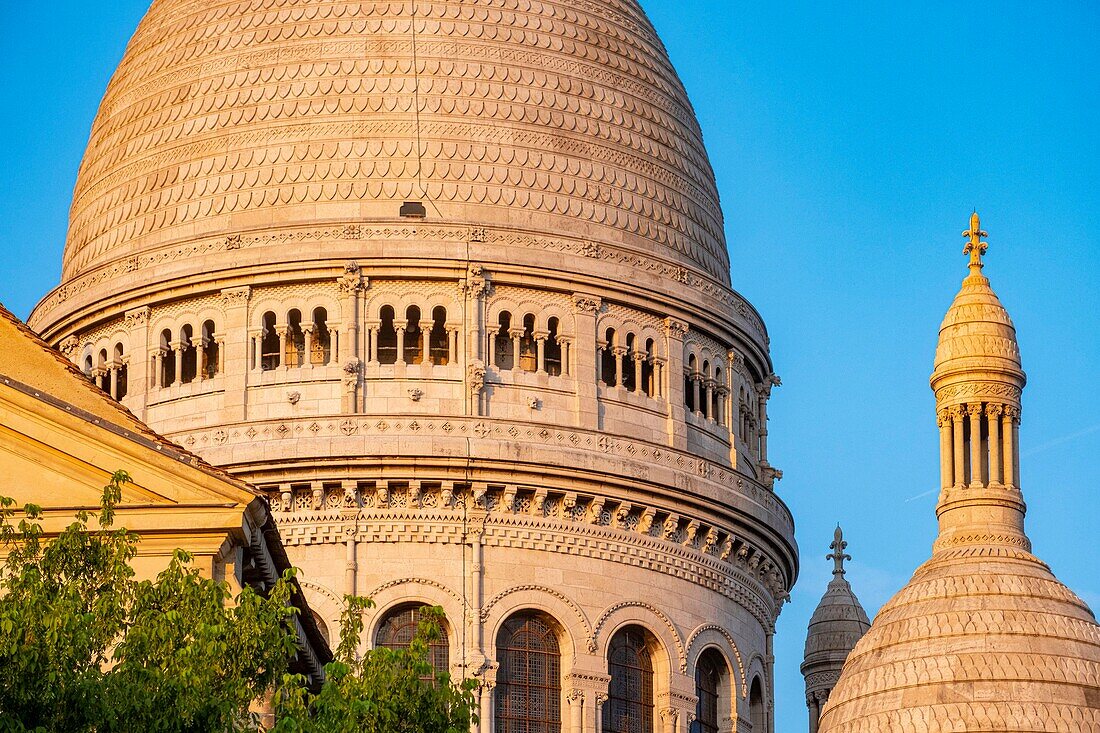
[[979, 445]]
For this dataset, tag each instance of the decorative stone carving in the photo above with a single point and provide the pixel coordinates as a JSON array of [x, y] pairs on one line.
[[586, 304]]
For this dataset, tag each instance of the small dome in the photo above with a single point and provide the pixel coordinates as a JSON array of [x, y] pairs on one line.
[[977, 332], [837, 624]]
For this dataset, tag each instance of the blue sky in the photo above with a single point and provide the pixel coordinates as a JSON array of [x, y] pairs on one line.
[[850, 141]]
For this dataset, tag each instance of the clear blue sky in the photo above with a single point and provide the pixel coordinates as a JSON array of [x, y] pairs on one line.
[[851, 141]]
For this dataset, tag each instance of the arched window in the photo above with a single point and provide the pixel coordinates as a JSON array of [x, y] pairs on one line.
[[189, 366], [607, 358], [398, 627], [120, 378], [503, 356], [387, 336], [295, 339], [210, 355], [553, 349], [439, 343], [689, 383], [104, 374], [528, 349], [628, 363], [716, 397], [704, 403], [711, 683], [756, 707], [629, 707], [414, 343], [648, 378], [322, 627], [529, 678], [88, 366], [320, 350], [270, 358], [167, 360]]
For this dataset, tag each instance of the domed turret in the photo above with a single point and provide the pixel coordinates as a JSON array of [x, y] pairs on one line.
[[839, 621], [983, 637]]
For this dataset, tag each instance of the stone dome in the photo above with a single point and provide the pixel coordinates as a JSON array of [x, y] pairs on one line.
[[226, 118], [838, 622], [983, 637]]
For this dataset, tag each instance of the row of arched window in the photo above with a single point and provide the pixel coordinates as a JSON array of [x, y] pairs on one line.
[[519, 346], [528, 684], [627, 362], [186, 355], [705, 390], [108, 371], [294, 343], [412, 338]]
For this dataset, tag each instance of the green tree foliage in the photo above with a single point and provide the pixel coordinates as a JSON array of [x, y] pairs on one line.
[[84, 647], [383, 691]]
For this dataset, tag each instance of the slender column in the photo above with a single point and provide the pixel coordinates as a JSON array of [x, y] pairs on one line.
[[178, 347], [566, 356], [943, 420], [486, 703], [586, 370], [372, 334], [154, 378], [658, 377], [452, 349], [516, 334], [708, 399], [576, 711], [696, 386], [600, 346], [219, 340], [307, 331], [815, 711], [619, 352], [993, 420], [540, 359], [200, 352], [283, 333], [723, 398], [351, 567], [400, 344], [977, 477], [1014, 457], [113, 377], [639, 372], [425, 341], [763, 392], [957, 415]]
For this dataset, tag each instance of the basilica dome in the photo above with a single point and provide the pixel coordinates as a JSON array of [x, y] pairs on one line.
[[226, 118], [446, 281]]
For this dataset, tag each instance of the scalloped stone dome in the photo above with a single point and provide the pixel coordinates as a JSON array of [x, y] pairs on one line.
[[231, 117], [977, 331], [980, 639]]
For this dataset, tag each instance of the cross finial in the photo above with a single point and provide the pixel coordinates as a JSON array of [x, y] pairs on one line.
[[838, 556], [975, 247]]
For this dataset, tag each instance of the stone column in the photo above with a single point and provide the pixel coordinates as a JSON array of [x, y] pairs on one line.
[[619, 352], [516, 334], [575, 698], [977, 477], [486, 706], [351, 567], [696, 392], [708, 399], [158, 356], [351, 285], [639, 372], [178, 347], [659, 377], [672, 383], [284, 333], [958, 413], [373, 328], [566, 355], [425, 341], [219, 366], [586, 408], [234, 354], [943, 420], [453, 331], [540, 359], [723, 400], [112, 376], [993, 421], [307, 332], [815, 711], [1012, 454], [400, 344], [200, 352]]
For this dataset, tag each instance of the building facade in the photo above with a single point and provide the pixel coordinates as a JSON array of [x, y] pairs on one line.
[[447, 280]]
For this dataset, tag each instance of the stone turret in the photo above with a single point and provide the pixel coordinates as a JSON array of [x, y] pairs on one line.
[[983, 637], [837, 624]]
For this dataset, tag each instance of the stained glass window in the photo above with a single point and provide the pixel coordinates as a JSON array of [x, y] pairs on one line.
[[629, 707], [399, 627], [528, 694]]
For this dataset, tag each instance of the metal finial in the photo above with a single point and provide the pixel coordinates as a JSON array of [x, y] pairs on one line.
[[837, 555], [975, 247]]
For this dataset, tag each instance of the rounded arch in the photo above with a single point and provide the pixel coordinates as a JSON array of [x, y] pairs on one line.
[[326, 605], [649, 617], [555, 604], [395, 593], [713, 636]]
